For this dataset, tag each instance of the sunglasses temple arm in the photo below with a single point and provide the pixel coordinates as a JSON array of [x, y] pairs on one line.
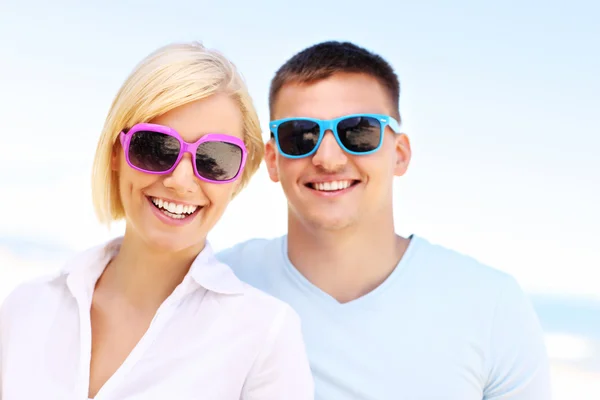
[[394, 125]]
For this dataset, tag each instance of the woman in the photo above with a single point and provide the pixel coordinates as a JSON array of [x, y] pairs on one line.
[[154, 315]]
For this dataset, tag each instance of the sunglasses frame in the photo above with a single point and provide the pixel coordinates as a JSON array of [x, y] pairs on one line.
[[185, 147], [331, 125]]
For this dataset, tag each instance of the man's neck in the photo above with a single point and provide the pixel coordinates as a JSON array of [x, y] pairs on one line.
[[346, 263]]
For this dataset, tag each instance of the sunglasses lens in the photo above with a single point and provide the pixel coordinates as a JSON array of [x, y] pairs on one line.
[[360, 134], [218, 161], [298, 137], [153, 151]]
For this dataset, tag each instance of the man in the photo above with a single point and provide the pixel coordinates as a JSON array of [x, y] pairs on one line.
[[384, 317]]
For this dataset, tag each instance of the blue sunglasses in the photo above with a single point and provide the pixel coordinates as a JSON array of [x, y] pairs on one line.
[[357, 134]]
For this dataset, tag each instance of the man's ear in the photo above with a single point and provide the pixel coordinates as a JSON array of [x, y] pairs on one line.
[[402, 154], [271, 160]]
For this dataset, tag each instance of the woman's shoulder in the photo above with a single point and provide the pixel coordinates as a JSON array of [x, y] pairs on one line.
[[42, 291], [258, 308], [254, 297], [31, 294]]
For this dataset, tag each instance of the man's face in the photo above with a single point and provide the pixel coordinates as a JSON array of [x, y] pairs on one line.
[[333, 189]]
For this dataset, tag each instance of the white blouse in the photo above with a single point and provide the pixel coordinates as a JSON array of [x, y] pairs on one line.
[[214, 338]]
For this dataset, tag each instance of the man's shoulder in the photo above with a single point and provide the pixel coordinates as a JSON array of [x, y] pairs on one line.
[[452, 260], [462, 270], [488, 306], [251, 252], [256, 261], [470, 287]]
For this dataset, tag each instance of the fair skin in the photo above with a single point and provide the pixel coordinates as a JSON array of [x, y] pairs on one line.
[[345, 242], [156, 255]]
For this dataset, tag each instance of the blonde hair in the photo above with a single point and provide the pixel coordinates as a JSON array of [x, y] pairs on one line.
[[169, 77]]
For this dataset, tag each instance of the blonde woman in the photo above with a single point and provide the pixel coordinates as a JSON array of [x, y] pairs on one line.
[[153, 314]]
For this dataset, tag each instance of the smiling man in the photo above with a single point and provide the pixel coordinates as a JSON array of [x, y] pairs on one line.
[[384, 316]]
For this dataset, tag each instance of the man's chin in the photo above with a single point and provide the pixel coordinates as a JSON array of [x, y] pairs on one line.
[[328, 222]]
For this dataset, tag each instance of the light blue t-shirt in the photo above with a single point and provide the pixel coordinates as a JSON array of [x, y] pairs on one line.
[[441, 327]]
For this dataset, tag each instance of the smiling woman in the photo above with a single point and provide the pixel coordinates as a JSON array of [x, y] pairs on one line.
[[189, 157], [153, 313]]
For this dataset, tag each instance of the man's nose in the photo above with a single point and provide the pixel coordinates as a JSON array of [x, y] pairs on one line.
[[330, 156]]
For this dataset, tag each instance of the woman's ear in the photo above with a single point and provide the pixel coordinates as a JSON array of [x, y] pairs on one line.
[[114, 157]]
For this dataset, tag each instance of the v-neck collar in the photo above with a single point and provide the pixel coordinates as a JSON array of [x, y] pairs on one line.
[[329, 300]]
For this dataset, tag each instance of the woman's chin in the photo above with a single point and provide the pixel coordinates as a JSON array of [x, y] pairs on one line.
[[156, 236], [174, 243], [165, 241]]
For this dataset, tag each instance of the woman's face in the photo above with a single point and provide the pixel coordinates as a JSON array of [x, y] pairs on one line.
[[147, 198]]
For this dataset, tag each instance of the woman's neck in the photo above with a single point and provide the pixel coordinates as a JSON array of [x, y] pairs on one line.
[[145, 276]]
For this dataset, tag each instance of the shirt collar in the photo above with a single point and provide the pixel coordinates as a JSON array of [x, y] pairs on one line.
[[213, 275], [82, 272]]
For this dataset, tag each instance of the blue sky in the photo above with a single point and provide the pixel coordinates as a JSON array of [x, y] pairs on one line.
[[499, 99]]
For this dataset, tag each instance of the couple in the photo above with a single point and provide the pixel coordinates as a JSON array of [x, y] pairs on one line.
[[339, 308]]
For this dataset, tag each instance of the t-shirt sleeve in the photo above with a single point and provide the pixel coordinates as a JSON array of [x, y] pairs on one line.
[[518, 365]]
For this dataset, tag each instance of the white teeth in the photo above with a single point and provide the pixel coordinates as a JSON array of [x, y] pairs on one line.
[[331, 186], [176, 211]]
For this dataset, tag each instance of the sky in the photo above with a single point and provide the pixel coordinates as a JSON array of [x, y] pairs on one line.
[[500, 101]]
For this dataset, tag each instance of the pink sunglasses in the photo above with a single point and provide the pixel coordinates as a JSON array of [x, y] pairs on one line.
[[158, 149]]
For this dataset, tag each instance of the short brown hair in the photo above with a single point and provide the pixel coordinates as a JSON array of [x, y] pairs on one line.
[[322, 60]]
